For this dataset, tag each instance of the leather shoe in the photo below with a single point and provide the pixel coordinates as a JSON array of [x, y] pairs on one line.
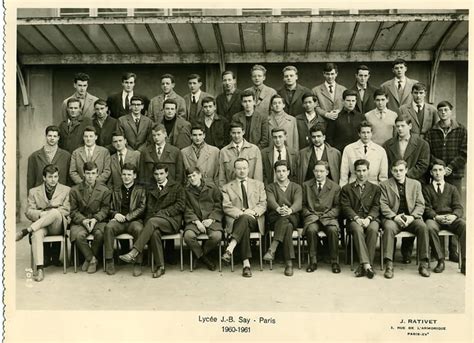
[[370, 273], [211, 266], [40, 275], [336, 269], [311, 267], [85, 266], [289, 270], [227, 256], [454, 257], [439, 267], [406, 259], [92, 266], [158, 273], [389, 270], [269, 256], [424, 269], [137, 269], [360, 271], [246, 272], [110, 267], [19, 236], [128, 257]]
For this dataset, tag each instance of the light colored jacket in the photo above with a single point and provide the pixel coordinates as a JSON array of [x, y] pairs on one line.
[[38, 202], [390, 198]]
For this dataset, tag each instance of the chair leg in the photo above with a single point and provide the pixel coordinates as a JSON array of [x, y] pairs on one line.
[[232, 262], [152, 260], [220, 256], [32, 261], [260, 251], [190, 260], [270, 238], [74, 248], [103, 258], [351, 240], [298, 240], [181, 252], [381, 251], [64, 242]]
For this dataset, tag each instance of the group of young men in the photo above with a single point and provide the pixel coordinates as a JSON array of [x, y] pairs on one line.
[[257, 160]]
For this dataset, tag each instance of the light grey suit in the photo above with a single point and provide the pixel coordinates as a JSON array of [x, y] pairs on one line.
[[101, 157]]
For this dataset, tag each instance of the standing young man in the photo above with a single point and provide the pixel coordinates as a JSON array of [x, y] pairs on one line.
[[381, 118], [365, 91], [71, 129], [122, 156], [329, 94], [262, 92], [156, 109], [104, 125], [135, 126], [86, 100], [119, 103], [305, 121], [178, 130], [216, 127], [228, 102], [280, 119], [194, 98], [292, 91]]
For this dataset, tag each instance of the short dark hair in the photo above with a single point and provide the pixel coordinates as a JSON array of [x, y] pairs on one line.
[[399, 61], [247, 93], [403, 117], [71, 100], [126, 76], [194, 76], [159, 166], [117, 133], [167, 76], [362, 67], [228, 72], [307, 95], [321, 163], [278, 129], [50, 169], [90, 128], [349, 92], [399, 162], [198, 127], [241, 159], [191, 170], [130, 166], [330, 66], [445, 103], [361, 162], [81, 77], [365, 123], [207, 99], [88, 166], [158, 127], [419, 87], [318, 127], [52, 128], [100, 102], [379, 92], [276, 96], [236, 124], [137, 98], [171, 101], [280, 163], [437, 161]]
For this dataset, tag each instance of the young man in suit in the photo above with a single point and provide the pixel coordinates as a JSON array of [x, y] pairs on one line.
[[202, 215], [194, 98], [360, 205], [292, 91], [127, 210], [178, 130], [423, 115], [104, 125], [160, 152], [90, 204], [244, 203], [122, 156], [228, 102], [86, 100], [284, 202], [320, 212], [216, 127], [156, 109], [119, 103], [398, 88], [280, 119], [262, 92], [72, 128], [402, 206], [201, 155], [164, 214], [329, 94], [255, 123], [365, 91], [277, 152], [135, 126], [364, 148], [48, 208], [305, 121], [444, 210], [319, 150], [239, 148], [90, 152], [381, 118]]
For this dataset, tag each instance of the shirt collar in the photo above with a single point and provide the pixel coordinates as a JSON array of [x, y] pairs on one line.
[[162, 184], [327, 85], [359, 87], [124, 94], [435, 183], [196, 95], [161, 146], [406, 139], [415, 105], [78, 96]]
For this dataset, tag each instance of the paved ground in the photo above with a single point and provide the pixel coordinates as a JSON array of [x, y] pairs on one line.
[[318, 292]]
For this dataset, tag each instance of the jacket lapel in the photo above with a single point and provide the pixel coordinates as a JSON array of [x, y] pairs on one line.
[[132, 124], [82, 153], [44, 159], [406, 90], [393, 90], [325, 92], [411, 147], [413, 115], [393, 185]]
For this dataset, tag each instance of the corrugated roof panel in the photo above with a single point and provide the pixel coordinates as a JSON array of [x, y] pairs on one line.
[[56, 38], [319, 36], [207, 37], [142, 38], [97, 36], [186, 37], [253, 37], [230, 37], [121, 38], [30, 33], [274, 34], [297, 34], [457, 36], [23, 46], [342, 36], [410, 35], [388, 34], [365, 36], [164, 38], [433, 36]]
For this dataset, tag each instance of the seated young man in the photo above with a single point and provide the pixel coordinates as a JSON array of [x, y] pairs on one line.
[[360, 205], [443, 210], [202, 215], [127, 209], [284, 202], [49, 214]]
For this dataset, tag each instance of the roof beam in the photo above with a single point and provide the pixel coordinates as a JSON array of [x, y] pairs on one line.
[[308, 37], [395, 42], [196, 35], [28, 42], [89, 38], [110, 38], [47, 40], [175, 38], [153, 38], [264, 41], [423, 33], [462, 41], [285, 39], [131, 38], [241, 38], [58, 27], [354, 33], [377, 34], [331, 34], [220, 47]]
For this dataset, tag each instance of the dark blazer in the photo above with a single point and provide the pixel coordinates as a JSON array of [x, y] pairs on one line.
[[367, 104], [70, 140], [304, 138], [449, 202], [137, 203], [430, 117], [417, 156], [268, 162], [363, 205], [105, 132], [168, 203], [228, 108], [323, 207], [115, 105], [334, 160], [207, 205], [136, 139], [180, 136], [97, 207], [258, 131], [390, 199], [187, 101], [115, 179], [344, 130], [296, 105], [292, 197], [38, 160], [171, 157], [218, 134]]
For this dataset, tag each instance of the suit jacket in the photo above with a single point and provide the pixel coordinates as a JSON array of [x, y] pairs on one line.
[[206, 205], [87, 109], [430, 117], [367, 103], [101, 157], [448, 202], [115, 105], [170, 156], [136, 138], [155, 109], [168, 203], [208, 161], [180, 136], [304, 138], [289, 124], [394, 103], [218, 134], [258, 131], [334, 161], [136, 210], [96, 207], [71, 139], [187, 101], [268, 163], [353, 203], [325, 103], [323, 207], [38, 160], [390, 199], [232, 202], [263, 101], [38, 202], [296, 105], [417, 156], [226, 108], [115, 179], [228, 155], [105, 132]]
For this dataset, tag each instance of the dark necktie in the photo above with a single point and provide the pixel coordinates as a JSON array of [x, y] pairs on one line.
[[158, 152], [161, 187], [399, 85], [279, 154], [127, 102], [365, 149], [330, 89], [121, 160], [137, 123], [319, 187], [439, 188], [244, 195], [194, 99]]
